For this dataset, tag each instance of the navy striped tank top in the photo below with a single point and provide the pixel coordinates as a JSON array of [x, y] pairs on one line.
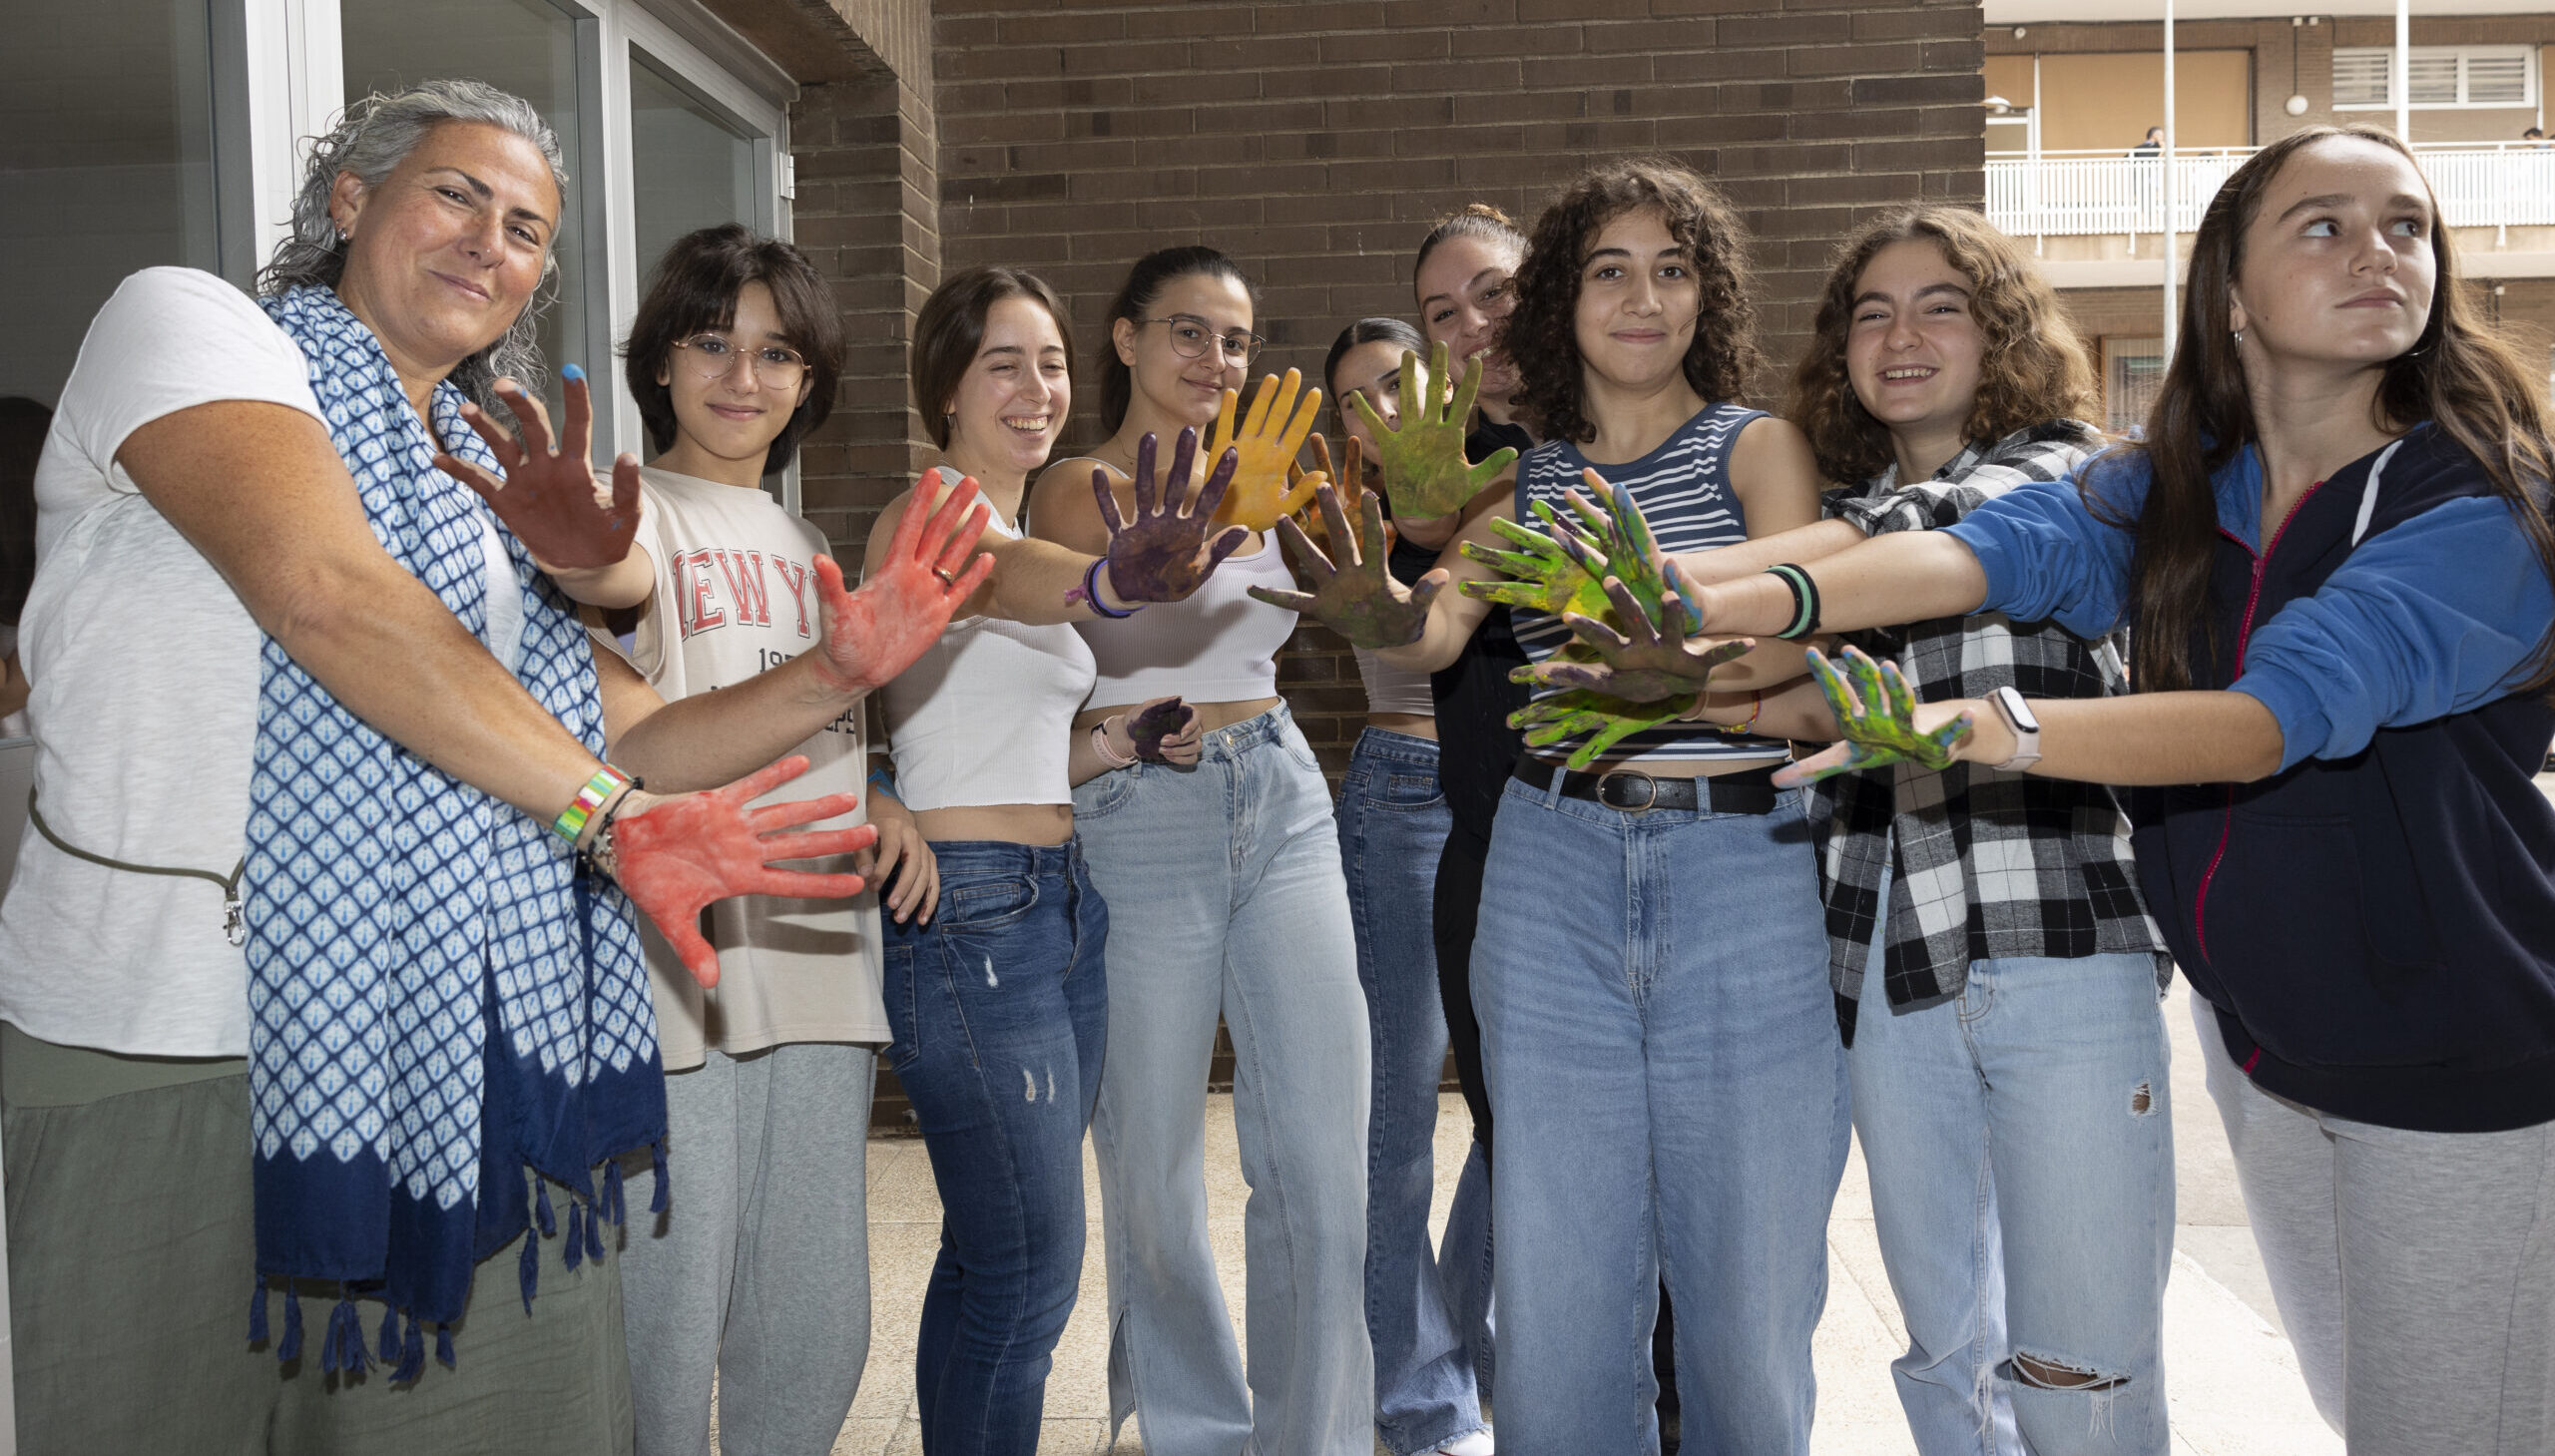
[[1684, 491]]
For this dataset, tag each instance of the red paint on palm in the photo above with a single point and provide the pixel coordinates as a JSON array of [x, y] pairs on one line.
[[549, 497], [683, 852], [875, 633]]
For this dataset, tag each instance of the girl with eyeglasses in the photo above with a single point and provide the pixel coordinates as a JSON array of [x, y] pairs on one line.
[[733, 358], [1226, 897]]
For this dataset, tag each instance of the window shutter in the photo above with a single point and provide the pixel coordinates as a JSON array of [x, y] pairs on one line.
[[2360, 77]]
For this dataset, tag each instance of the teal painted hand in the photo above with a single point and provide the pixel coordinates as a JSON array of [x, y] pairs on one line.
[[1876, 713], [1647, 662], [1423, 460], [1355, 597]]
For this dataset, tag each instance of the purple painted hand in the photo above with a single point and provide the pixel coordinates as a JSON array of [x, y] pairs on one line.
[[1167, 552], [1650, 659], [1159, 728]]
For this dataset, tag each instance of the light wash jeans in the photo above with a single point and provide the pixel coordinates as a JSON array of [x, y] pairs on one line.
[[1225, 895], [1392, 823], [2020, 1140], [1662, 1058]]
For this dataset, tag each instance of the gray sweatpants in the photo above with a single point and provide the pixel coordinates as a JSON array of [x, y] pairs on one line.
[[2416, 1270], [758, 1273]]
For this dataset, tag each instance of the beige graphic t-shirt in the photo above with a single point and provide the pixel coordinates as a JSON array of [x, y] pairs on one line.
[[736, 594]]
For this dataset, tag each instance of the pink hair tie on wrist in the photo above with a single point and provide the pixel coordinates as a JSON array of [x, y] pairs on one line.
[[1099, 745]]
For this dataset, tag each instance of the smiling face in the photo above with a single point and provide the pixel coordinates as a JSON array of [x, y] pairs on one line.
[[1466, 290], [1912, 345], [444, 255], [2338, 268], [1204, 308], [1373, 371], [1011, 403], [1638, 303], [730, 414]]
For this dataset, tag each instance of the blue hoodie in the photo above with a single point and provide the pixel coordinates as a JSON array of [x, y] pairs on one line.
[[2374, 923]]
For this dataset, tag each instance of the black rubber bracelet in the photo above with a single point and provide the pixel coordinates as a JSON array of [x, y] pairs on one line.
[[1804, 601]]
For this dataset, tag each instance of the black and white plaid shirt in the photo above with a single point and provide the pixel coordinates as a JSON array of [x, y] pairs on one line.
[[1989, 865]]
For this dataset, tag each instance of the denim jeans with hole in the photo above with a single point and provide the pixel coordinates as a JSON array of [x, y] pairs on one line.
[[1660, 1044], [1226, 897], [998, 1009], [2020, 1141], [1392, 823]]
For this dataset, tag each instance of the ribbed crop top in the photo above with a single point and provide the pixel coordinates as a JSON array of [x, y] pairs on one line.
[[1219, 645], [985, 714]]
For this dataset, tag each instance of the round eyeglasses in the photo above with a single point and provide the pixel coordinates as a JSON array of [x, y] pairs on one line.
[[1190, 336], [772, 367]]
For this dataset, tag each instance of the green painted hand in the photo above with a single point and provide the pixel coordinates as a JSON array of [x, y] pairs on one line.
[[1647, 662], [1356, 597], [1877, 713], [1554, 571], [1599, 721], [1423, 460]]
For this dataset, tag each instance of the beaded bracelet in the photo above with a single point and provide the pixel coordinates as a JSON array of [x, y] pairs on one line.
[[1091, 591], [571, 824]]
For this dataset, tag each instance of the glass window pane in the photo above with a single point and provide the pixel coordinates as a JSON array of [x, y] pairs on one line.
[[690, 167], [522, 46], [106, 167], [2135, 368]]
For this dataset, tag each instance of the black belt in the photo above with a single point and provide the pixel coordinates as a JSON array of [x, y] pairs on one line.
[[1749, 791]]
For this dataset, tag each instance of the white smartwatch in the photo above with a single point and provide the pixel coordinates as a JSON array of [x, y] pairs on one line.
[[2018, 716]]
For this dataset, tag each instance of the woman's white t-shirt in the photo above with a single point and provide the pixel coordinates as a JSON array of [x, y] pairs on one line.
[[735, 594]]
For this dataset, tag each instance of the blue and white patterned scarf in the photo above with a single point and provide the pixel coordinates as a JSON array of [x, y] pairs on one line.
[[438, 998]]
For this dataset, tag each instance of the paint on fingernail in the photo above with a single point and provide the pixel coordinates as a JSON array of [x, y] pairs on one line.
[[571, 372]]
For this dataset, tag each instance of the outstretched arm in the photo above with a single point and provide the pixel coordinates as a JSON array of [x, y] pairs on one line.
[[577, 528]]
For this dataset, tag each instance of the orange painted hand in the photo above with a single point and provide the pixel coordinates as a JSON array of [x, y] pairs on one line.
[[875, 633], [1267, 442], [1349, 481], [681, 853]]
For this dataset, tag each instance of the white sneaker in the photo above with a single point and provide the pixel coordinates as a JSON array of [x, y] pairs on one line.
[[1476, 1444]]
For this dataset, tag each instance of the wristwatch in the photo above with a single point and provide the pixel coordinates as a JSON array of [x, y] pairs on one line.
[[2018, 716]]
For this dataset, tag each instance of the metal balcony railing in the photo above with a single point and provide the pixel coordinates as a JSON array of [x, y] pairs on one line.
[[2063, 194]]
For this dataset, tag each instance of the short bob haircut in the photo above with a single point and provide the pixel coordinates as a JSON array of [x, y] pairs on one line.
[[696, 288], [1542, 337], [2032, 367], [951, 329]]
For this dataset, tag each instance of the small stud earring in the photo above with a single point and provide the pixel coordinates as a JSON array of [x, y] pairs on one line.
[[2238, 336]]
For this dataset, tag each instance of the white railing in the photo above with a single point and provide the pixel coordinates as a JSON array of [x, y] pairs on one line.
[[2481, 185]]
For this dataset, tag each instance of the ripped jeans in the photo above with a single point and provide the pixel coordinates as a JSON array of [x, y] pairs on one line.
[[2020, 1141], [999, 1007]]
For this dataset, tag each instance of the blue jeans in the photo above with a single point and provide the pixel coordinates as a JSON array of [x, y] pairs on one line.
[[998, 1009], [1663, 1064], [1226, 896], [1392, 823], [2021, 1146]]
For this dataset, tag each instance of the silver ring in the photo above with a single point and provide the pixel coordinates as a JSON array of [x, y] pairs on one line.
[[945, 577]]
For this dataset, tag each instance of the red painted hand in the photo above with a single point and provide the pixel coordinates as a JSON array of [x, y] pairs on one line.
[[549, 497], [681, 853], [875, 633]]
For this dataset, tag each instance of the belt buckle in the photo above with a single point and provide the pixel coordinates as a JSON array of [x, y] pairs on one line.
[[1650, 796]]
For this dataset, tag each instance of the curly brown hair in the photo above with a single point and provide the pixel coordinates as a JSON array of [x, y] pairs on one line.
[[2032, 366], [1542, 337]]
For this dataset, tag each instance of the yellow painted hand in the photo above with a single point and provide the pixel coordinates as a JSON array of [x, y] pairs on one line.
[[1266, 444]]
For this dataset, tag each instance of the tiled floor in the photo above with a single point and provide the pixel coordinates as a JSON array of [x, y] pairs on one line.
[[2234, 1383]]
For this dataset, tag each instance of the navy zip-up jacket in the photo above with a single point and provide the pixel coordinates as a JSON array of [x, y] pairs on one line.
[[2374, 924]]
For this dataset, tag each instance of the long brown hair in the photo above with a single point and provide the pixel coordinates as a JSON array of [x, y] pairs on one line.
[[2031, 367], [2457, 375], [952, 327], [1542, 340]]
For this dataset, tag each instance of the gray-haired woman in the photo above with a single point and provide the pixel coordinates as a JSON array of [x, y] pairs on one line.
[[353, 703]]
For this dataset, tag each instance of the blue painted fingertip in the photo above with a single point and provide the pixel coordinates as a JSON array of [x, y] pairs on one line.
[[572, 372]]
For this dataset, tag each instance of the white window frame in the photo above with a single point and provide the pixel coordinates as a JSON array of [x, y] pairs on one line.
[[280, 76], [2526, 54]]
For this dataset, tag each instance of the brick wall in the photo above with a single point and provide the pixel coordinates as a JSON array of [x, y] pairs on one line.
[[1316, 142]]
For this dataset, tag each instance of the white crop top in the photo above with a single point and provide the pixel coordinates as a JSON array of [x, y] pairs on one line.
[[1219, 645], [1395, 690], [985, 714]]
